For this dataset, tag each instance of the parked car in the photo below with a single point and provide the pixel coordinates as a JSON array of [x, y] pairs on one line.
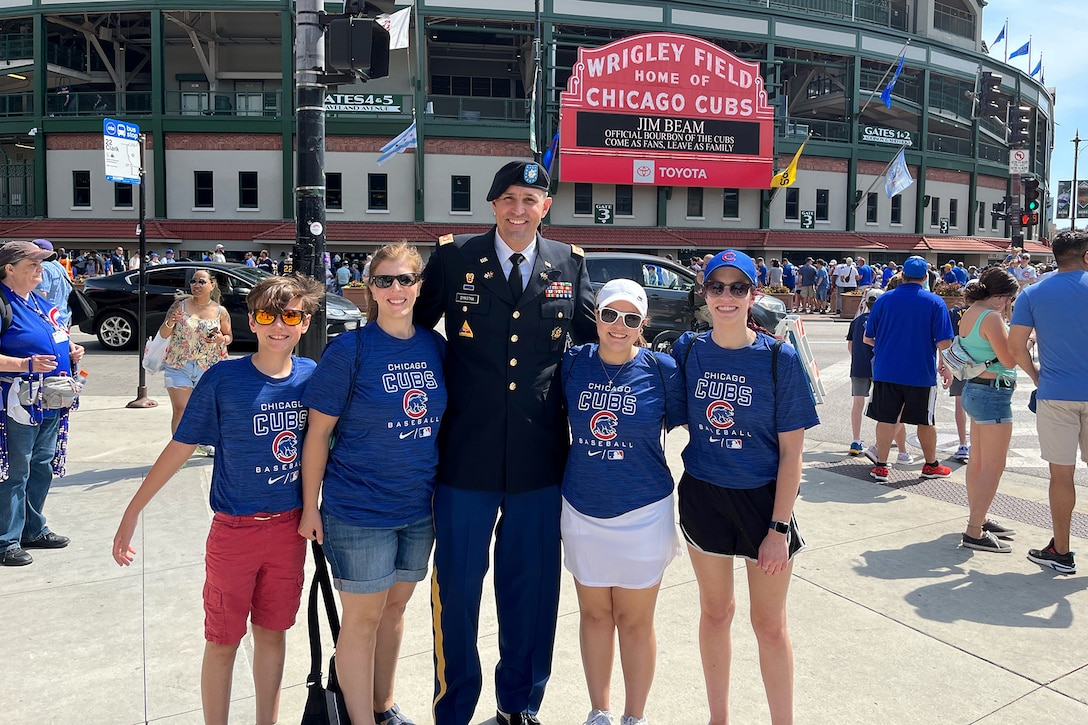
[[116, 301], [674, 305]]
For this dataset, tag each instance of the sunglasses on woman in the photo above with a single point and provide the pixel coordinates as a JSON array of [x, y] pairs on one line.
[[631, 320], [385, 281], [289, 317], [717, 289]]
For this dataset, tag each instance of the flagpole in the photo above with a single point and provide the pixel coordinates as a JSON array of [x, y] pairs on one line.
[[879, 176], [902, 52], [1006, 41]]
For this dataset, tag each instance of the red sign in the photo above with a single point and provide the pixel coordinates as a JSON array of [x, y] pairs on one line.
[[666, 109]]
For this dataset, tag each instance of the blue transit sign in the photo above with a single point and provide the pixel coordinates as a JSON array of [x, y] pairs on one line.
[[121, 142]]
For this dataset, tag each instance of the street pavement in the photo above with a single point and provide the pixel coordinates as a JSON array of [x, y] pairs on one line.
[[890, 620]]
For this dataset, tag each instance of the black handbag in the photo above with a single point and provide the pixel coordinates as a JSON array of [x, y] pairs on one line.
[[324, 704]]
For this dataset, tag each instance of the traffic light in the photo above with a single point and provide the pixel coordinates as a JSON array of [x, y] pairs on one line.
[[1025, 219], [357, 46], [990, 100], [1019, 125], [1031, 195]]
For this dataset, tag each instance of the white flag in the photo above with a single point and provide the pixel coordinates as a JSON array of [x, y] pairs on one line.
[[405, 140], [397, 25], [898, 178]]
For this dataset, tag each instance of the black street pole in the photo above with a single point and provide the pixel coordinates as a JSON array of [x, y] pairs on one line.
[[309, 254], [1073, 190], [142, 401]]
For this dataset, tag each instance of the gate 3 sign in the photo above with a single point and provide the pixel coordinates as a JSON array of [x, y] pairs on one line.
[[666, 109]]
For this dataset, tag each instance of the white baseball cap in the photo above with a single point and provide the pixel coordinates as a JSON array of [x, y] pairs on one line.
[[625, 290]]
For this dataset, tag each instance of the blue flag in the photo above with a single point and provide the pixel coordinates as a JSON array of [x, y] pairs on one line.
[[1001, 35], [1038, 67], [1022, 50], [886, 94]]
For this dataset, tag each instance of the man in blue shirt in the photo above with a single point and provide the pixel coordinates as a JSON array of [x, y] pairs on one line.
[[1054, 309], [55, 285], [889, 271], [906, 328], [959, 271], [865, 275]]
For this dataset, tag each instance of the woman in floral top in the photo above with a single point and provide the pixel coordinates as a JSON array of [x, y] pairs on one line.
[[199, 331]]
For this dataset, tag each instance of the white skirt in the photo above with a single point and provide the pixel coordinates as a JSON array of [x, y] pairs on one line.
[[629, 551]]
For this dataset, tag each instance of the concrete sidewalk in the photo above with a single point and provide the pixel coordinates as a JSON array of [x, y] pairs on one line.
[[890, 620]]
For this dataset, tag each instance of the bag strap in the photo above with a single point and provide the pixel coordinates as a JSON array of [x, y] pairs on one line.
[[320, 584]]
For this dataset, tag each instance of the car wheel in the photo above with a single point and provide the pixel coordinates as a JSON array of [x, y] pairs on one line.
[[117, 331], [663, 341]]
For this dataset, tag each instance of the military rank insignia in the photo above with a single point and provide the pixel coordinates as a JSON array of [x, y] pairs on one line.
[[559, 290], [557, 333], [466, 331]]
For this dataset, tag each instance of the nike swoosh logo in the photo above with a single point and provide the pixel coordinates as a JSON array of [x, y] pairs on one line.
[[405, 435], [272, 480], [595, 453]]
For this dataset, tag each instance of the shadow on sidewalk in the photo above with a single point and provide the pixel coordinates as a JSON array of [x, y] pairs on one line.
[[99, 477]]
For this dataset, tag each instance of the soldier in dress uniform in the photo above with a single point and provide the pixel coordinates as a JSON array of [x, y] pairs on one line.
[[514, 302]]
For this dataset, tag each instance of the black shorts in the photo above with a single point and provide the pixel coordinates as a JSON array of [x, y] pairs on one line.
[[895, 403], [729, 521]]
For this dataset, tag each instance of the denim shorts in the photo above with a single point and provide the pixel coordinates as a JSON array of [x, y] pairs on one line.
[[986, 404], [183, 377], [368, 560]]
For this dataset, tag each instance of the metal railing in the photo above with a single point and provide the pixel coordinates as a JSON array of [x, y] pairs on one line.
[[261, 104], [799, 128], [475, 109], [97, 103], [17, 104], [953, 20]]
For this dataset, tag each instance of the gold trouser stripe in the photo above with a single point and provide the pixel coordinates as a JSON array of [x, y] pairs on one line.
[[439, 652]]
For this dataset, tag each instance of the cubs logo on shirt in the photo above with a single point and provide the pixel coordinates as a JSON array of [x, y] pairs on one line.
[[285, 446], [720, 414], [603, 425], [415, 403]]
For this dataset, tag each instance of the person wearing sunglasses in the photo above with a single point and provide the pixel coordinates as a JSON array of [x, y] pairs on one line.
[[198, 328], [380, 391], [251, 409], [514, 302], [617, 521], [748, 405]]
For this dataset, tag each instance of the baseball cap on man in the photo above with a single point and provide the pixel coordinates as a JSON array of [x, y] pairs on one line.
[[44, 244], [872, 294], [519, 173], [915, 267], [169, 251], [15, 252], [623, 290], [219, 246], [731, 258]]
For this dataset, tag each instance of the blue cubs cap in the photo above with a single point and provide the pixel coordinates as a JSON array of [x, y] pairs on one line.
[[519, 173], [731, 258], [915, 267], [169, 251]]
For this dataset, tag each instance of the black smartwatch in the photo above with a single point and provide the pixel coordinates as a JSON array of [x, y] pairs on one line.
[[781, 527]]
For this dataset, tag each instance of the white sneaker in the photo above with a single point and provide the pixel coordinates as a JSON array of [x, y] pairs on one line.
[[632, 720], [904, 458], [963, 453], [600, 717], [870, 453], [208, 451]]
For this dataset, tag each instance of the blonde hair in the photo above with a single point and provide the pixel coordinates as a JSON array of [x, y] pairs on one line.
[[396, 252]]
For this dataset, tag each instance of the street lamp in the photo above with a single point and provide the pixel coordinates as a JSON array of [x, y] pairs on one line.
[[1073, 190]]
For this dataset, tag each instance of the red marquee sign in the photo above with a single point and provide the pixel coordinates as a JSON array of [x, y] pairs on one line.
[[666, 109]]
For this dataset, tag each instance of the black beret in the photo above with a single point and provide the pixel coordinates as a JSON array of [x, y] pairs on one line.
[[519, 173]]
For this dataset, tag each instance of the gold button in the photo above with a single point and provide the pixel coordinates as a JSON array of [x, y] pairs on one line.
[[516, 314], [560, 314], [464, 309], [513, 338], [513, 362], [513, 386]]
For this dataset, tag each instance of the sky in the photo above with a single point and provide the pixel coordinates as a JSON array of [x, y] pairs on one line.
[[1056, 29]]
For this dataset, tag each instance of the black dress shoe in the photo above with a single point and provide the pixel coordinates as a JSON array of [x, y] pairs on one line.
[[516, 718], [16, 557], [49, 541]]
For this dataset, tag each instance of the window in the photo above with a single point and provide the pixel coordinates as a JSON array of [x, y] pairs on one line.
[[334, 190], [981, 215], [870, 208], [953, 212], [934, 211], [247, 190], [897, 209], [203, 190], [731, 203], [461, 193], [81, 188], [377, 192], [122, 196], [695, 202], [625, 200], [793, 204], [823, 205], [583, 199]]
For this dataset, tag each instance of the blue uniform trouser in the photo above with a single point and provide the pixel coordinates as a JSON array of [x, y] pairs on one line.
[[30, 473], [526, 596]]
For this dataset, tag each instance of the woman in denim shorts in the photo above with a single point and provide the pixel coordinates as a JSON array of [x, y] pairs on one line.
[[987, 400], [379, 393]]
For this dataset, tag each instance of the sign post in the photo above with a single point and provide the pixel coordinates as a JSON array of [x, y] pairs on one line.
[[125, 149]]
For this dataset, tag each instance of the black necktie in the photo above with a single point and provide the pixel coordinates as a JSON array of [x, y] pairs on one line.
[[515, 275]]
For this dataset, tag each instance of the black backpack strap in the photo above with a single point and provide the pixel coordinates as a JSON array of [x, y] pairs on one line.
[[5, 312], [774, 365], [566, 378], [322, 585]]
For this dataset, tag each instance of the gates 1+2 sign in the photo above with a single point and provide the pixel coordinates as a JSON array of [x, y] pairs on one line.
[[121, 142]]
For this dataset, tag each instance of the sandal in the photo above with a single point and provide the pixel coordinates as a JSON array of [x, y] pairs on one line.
[[392, 716]]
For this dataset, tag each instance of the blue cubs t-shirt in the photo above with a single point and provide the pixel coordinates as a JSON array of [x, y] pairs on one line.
[[861, 353], [1055, 308], [616, 463], [906, 324], [256, 424], [382, 469], [789, 275], [736, 411], [865, 275]]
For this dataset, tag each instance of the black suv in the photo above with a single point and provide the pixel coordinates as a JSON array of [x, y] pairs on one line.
[[674, 307]]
